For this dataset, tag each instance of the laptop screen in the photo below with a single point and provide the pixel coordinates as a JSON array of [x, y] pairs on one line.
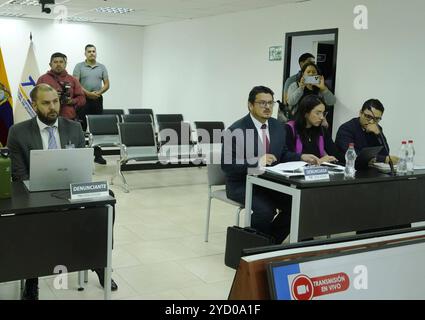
[[56, 169]]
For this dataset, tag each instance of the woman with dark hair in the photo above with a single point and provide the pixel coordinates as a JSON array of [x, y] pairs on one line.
[[303, 87], [306, 134]]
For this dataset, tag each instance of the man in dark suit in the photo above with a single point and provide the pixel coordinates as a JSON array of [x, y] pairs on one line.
[[256, 141], [365, 131], [46, 131]]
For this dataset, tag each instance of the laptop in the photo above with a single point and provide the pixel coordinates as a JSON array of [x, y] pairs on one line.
[[366, 154], [56, 169]]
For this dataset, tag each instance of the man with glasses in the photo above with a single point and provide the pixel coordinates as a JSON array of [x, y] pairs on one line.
[[251, 143], [365, 131]]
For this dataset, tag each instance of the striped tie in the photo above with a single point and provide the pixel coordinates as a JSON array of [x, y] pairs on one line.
[[52, 141]]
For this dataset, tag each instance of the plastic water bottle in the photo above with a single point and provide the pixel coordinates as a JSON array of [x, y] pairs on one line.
[[402, 163], [350, 161], [410, 163]]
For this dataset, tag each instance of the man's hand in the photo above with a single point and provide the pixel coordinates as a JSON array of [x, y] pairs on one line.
[[93, 95], [301, 83], [267, 160], [393, 158], [310, 158], [69, 101], [327, 159], [373, 128]]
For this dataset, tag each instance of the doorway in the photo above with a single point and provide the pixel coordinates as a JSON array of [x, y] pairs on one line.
[[323, 45]]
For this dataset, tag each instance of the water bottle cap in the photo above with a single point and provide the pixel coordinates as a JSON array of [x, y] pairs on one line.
[[403, 142], [410, 141], [351, 145]]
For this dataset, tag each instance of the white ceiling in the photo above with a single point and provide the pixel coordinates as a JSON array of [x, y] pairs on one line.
[[146, 12]]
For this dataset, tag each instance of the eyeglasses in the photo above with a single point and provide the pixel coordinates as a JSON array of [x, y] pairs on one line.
[[371, 118], [263, 103], [321, 114]]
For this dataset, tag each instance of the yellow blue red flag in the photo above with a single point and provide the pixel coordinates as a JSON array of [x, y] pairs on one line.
[[6, 104]]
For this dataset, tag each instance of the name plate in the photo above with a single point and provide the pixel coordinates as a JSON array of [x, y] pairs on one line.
[[89, 190], [316, 173]]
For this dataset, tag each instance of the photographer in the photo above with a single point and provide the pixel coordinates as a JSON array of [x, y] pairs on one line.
[[70, 92], [309, 81]]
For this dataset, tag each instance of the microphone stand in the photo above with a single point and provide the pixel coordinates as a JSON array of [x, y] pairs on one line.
[[381, 139]]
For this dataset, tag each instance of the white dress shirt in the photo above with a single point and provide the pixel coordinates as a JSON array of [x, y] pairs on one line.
[[258, 125], [45, 134]]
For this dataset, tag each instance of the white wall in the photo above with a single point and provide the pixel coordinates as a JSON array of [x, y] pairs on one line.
[[119, 48], [304, 44], [205, 68]]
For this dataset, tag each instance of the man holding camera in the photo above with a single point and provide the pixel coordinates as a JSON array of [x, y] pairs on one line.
[[70, 92]]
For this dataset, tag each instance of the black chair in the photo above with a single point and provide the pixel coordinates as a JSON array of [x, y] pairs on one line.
[[176, 141], [146, 118], [143, 111], [205, 131], [169, 117], [103, 130], [119, 112], [175, 133], [138, 143]]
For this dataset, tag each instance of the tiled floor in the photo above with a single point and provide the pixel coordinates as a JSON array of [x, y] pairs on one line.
[[159, 251]]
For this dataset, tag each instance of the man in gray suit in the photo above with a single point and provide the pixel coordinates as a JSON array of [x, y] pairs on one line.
[[39, 132], [46, 131]]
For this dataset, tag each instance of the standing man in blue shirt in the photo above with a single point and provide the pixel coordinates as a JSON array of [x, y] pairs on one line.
[[94, 79]]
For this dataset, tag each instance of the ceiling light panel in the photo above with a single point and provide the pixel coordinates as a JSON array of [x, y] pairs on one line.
[[113, 10], [24, 2], [11, 14]]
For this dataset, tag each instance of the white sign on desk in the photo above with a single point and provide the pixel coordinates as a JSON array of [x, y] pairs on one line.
[[316, 173], [90, 190]]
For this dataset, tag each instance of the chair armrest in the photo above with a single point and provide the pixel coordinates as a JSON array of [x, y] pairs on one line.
[[123, 152], [90, 136]]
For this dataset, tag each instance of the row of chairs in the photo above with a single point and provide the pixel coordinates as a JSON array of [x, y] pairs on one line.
[[104, 130], [139, 142], [143, 113]]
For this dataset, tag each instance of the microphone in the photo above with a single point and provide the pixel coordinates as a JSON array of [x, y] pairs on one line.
[[381, 140]]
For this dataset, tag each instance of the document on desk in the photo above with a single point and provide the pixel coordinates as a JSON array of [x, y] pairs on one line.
[[288, 169], [333, 168]]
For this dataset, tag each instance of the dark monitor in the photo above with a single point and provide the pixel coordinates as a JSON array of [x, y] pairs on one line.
[[366, 154]]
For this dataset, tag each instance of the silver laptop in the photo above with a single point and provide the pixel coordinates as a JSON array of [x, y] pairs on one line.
[[56, 169]]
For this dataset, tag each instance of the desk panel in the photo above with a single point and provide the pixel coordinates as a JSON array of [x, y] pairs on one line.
[[32, 245]]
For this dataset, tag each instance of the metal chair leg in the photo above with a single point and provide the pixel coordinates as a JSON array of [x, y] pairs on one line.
[[207, 224], [126, 186], [80, 281], [238, 213], [86, 276], [22, 286]]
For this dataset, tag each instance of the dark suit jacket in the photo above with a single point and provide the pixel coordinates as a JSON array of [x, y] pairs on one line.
[[352, 132], [25, 136], [237, 170]]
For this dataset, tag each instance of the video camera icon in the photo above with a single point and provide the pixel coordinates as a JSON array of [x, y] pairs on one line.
[[302, 288]]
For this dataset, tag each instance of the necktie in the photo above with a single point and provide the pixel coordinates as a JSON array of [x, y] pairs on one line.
[[266, 141], [52, 141]]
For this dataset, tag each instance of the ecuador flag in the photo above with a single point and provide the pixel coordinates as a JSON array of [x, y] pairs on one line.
[[6, 111]]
